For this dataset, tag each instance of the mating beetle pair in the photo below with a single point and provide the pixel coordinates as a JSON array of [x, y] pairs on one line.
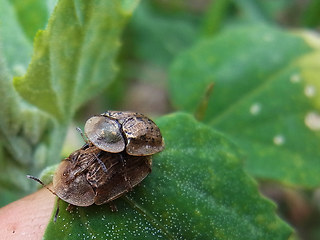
[[115, 158]]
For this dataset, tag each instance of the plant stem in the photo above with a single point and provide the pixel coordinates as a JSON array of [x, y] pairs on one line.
[[56, 142]]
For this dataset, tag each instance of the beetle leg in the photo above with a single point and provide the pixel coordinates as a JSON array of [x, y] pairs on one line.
[[85, 146], [113, 207], [103, 166], [57, 211], [70, 208], [39, 181], [149, 163]]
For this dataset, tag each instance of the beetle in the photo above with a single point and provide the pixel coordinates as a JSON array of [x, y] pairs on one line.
[[116, 131], [115, 158], [82, 180]]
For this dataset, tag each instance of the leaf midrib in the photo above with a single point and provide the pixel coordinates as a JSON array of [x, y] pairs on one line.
[[255, 91]]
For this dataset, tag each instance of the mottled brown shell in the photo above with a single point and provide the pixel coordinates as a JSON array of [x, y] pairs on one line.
[[81, 180], [137, 134], [72, 188], [126, 174], [69, 182], [105, 133]]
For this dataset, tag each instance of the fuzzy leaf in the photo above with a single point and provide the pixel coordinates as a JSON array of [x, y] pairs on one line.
[[21, 125], [265, 96], [74, 57], [15, 48], [197, 190]]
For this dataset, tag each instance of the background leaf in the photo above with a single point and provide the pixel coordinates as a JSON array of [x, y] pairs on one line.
[[253, 10], [21, 125], [264, 105], [197, 190], [157, 36], [74, 57], [215, 15], [16, 48], [32, 15], [310, 16]]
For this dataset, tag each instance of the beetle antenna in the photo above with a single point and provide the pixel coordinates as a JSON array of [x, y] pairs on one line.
[[82, 135], [39, 181]]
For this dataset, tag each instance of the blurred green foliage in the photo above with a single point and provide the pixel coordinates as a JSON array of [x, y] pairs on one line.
[[235, 65], [263, 105]]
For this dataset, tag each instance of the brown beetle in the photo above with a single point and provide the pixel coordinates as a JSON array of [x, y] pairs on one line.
[[116, 131], [90, 175], [116, 157]]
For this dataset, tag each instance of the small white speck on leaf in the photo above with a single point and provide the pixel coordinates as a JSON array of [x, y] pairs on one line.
[[295, 78], [310, 91], [278, 140], [312, 121], [255, 108]]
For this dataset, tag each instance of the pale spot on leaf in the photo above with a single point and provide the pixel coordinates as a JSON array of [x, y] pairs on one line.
[[278, 140], [312, 121], [255, 108], [310, 91], [295, 78]]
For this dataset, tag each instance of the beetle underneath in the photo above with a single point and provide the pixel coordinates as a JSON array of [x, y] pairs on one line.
[[115, 158]]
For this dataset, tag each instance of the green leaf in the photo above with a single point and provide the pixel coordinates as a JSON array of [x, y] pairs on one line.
[[20, 125], [46, 175], [265, 96], [310, 16], [16, 49], [197, 190], [74, 58], [147, 30], [273, 9], [253, 10]]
